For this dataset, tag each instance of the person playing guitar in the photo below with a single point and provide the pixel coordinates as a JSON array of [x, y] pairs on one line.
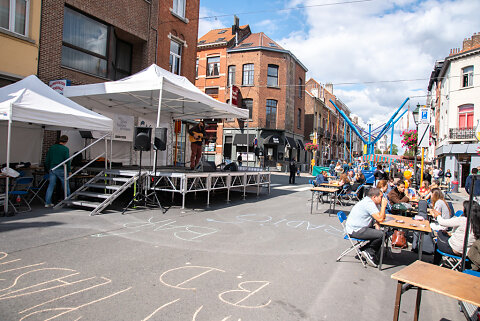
[[197, 135]]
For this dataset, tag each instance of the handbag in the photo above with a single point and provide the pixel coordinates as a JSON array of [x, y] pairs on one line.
[[399, 240]]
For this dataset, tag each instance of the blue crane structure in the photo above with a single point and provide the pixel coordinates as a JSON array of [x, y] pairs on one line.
[[369, 138]]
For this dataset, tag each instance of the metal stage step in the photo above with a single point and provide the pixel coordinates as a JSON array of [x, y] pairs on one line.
[[113, 182]]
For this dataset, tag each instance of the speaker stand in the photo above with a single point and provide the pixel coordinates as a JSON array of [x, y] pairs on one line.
[[141, 198]]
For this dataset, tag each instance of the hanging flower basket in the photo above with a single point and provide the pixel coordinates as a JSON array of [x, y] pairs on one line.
[[310, 147], [410, 139]]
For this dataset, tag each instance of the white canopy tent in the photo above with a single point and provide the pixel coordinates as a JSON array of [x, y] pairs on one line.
[[32, 103], [156, 96], [153, 91]]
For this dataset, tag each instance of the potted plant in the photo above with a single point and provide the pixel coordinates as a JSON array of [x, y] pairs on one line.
[[311, 147]]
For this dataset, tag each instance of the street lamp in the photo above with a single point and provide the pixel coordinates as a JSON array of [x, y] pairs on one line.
[[416, 114]]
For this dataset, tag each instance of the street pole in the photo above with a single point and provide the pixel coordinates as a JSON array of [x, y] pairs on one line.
[[421, 170], [415, 168]]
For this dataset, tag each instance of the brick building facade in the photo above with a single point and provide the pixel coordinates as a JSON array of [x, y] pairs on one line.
[[271, 85], [178, 30], [322, 118]]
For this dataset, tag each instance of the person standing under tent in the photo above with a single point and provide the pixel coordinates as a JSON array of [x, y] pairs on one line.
[[197, 135], [57, 154]]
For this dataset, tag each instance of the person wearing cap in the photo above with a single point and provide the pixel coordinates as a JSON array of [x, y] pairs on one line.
[[57, 154]]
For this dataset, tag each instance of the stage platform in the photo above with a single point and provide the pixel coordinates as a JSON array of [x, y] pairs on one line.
[[182, 180], [186, 181]]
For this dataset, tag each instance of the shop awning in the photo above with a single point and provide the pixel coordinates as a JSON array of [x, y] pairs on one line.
[[291, 142], [241, 139], [380, 158], [300, 144], [273, 140]]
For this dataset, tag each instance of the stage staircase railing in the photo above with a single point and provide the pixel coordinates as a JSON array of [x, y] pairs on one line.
[[100, 191]]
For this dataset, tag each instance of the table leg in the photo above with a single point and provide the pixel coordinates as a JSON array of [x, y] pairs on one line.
[[311, 204], [420, 247], [417, 303], [382, 249], [334, 201], [398, 299]]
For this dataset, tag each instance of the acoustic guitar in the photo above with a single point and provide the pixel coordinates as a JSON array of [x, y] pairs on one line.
[[197, 137]]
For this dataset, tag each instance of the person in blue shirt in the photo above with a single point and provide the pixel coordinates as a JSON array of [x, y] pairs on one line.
[[362, 223], [321, 178]]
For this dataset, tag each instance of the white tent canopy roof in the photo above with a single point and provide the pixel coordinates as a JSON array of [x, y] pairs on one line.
[[31, 101], [138, 95]]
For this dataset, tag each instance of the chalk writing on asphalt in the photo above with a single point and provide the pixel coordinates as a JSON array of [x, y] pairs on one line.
[[185, 232], [47, 293], [266, 220]]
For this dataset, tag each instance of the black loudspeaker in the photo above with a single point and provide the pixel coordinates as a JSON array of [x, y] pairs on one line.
[[232, 167], [86, 134], [160, 140], [142, 138]]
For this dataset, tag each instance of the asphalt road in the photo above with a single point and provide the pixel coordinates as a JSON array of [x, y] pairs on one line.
[[262, 259]]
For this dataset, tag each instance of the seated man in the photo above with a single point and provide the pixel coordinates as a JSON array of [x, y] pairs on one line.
[[321, 178], [397, 195], [360, 223]]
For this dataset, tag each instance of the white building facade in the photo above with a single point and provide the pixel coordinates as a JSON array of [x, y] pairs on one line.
[[455, 94]]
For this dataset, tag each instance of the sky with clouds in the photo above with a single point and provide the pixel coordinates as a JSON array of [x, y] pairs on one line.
[[375, 52]]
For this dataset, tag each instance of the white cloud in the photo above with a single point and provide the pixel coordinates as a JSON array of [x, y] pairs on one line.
[[377, 41], [205, 25]]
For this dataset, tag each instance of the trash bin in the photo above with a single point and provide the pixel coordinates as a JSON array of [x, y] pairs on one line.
[[454, 186]]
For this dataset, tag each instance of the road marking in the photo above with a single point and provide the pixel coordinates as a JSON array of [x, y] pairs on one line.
[[294, 188]]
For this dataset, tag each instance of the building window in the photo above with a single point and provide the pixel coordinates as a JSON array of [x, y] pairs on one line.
[[213, 66], [123, 59], [231, 75], [300, 87], [467, 76], [299, 123], [272, 76], [196, 68], [212, 92], [271, 115], [14, 15], [175, 57], [179, 7], [248, 72], [84, 43], [247, 103], [465, 116]]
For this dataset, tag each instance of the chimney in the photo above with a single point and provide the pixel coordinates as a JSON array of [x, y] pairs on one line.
[[467, 44], [476, 39], [329, 88]]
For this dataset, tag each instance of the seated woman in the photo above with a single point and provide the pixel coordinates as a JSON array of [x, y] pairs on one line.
[[440, 208], [344, 179], [424, 191], [474, 252], [454, 244], [360, 178]]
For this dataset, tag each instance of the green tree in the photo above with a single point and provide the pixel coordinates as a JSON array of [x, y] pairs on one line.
[[378, 151], [395, 150]]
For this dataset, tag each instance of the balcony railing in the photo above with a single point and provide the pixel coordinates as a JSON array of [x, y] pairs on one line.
[[462, 133]]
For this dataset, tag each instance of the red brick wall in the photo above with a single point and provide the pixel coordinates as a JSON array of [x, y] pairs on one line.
[[186, 31], [218, 81], [124, 15]]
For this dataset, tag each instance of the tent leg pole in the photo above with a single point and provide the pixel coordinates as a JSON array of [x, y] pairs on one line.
[[7, 181]]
